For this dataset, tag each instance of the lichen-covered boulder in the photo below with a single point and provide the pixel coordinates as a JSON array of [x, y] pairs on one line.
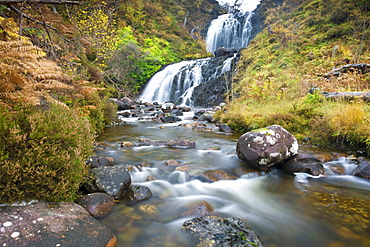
[[112, 180], [215, 231], [266, 147]]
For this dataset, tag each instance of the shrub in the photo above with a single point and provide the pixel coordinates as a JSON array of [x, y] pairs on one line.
[[42, 154]]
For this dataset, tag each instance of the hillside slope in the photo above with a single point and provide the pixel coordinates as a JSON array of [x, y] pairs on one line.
[[300, 42]]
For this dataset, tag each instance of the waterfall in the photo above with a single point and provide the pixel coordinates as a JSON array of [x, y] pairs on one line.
[[229, 30], [177, 82]]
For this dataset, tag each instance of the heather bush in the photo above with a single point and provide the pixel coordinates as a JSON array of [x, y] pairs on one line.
[[42, 153]]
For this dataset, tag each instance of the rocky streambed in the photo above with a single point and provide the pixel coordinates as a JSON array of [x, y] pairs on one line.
[[170, 176]]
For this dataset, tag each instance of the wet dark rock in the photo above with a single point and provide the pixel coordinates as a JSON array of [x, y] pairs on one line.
[[266, 147], [304, 163], [111, 180], [97, 204], [124, 103], [217, 231], [215, 175], [180, 144], [222, 51], [170, 119], [362, 170], [128, 101], [124, 114], [52, 224], [97, 161], [198, 210], [186, 109], [207, 116], [225, 128], [136, 193], [197, 114], [177, 112]]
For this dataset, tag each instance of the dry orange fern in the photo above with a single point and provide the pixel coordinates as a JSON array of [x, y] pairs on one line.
[[25, 70]]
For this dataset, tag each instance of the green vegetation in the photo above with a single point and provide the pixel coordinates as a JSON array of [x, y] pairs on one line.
[[130, 40], [305, 39], [56, 79], [43, 153]]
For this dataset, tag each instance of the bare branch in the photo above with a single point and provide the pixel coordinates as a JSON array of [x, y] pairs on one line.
[[41, 1]]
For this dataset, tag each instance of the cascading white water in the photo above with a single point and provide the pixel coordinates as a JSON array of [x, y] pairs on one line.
[[229, 30], [176, 82]]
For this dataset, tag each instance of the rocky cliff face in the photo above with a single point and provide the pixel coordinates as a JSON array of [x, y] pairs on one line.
[[215, 91]]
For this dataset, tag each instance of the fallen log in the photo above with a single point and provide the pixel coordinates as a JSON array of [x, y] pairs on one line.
[[362, 68], [41, 1], [348, 96]]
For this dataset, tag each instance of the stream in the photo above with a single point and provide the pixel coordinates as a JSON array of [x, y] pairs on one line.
[[284, 210]]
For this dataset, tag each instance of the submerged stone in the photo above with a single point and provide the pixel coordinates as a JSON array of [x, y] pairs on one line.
[[215, 231], [137, 193]]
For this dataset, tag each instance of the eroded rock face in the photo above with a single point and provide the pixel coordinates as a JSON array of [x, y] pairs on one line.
[[218, 231], [266, 147], [52, 224]]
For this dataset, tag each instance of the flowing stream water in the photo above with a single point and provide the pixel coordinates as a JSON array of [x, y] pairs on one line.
[[284, 210]]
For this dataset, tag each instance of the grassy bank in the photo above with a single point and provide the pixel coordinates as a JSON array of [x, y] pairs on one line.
[[302, 41]]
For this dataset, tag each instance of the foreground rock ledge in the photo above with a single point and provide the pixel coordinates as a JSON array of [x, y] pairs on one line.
[[52, 224]]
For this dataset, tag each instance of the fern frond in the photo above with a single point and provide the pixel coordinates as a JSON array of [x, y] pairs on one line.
[[52, 84]]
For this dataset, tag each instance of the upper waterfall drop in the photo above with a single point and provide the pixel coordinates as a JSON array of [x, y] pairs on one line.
[[229, 30]]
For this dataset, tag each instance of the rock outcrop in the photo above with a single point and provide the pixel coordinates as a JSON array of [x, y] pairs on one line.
[[52, 224]]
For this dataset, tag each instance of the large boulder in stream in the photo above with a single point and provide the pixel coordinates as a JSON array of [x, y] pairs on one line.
[[52, 224], [217, 231], [266, 147]]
